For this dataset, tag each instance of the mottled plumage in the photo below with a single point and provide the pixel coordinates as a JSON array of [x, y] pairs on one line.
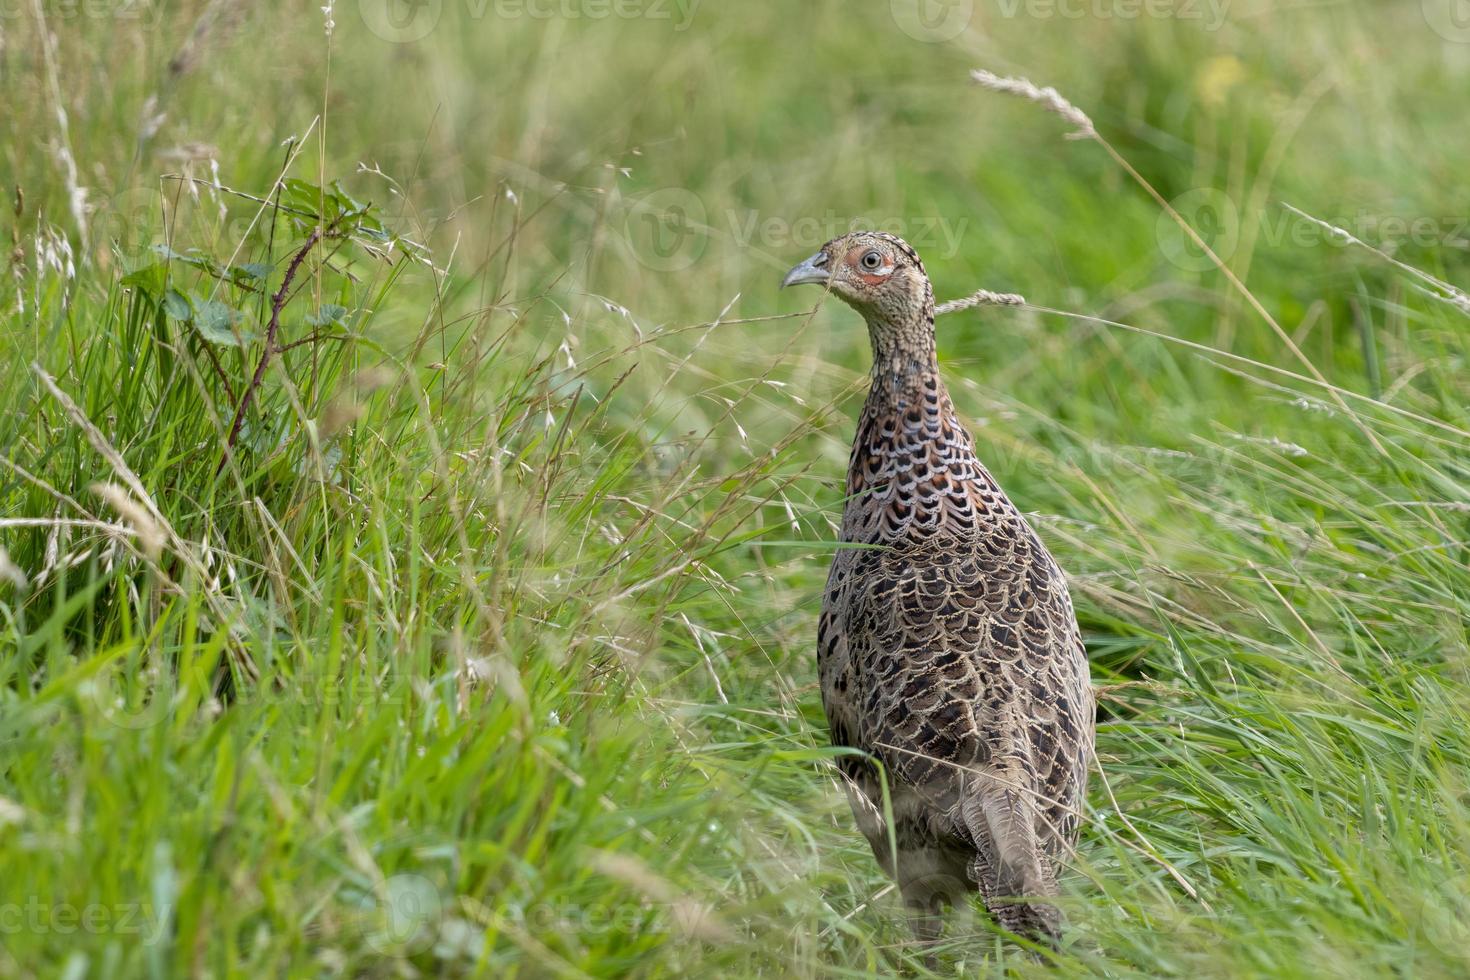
[[947, 646]]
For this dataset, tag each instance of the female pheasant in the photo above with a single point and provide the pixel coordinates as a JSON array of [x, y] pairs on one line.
[[947, 647]]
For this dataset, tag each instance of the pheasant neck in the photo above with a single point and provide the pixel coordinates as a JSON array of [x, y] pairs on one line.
[[905, 362]]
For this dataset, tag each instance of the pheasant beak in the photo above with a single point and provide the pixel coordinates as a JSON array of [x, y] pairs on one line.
[[813, 269]]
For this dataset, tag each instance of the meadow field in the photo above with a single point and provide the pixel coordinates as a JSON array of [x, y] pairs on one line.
[[416, 494]]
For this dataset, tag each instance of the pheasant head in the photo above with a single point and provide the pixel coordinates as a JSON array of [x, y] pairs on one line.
[[882, 277]]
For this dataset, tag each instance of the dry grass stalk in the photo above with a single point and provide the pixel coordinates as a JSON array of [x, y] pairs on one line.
[[10, 572], [1053, 101], [1048, 97], [980, 297], [1443, 291], [150, 535], [61, 146], [223, 609]]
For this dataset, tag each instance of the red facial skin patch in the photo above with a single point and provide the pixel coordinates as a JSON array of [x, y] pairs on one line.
[[854, 259]]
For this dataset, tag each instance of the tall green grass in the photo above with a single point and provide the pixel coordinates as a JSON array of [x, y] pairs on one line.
[[486, 648]]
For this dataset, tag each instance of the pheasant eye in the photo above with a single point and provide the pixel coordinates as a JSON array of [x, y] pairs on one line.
[[872, 260]]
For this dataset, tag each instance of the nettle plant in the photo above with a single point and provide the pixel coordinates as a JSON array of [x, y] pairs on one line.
[[200, 426], [275, 311]]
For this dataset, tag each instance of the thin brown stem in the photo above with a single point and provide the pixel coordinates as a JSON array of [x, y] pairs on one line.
[[278, 301], [281, 349], [219, 371]]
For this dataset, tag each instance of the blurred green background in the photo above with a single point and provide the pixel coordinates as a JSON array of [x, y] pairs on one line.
[[488, 647]]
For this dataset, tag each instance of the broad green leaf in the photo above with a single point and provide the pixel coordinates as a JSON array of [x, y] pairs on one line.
[[149, 279], [217, 323], [329, 313], [177, 306]]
